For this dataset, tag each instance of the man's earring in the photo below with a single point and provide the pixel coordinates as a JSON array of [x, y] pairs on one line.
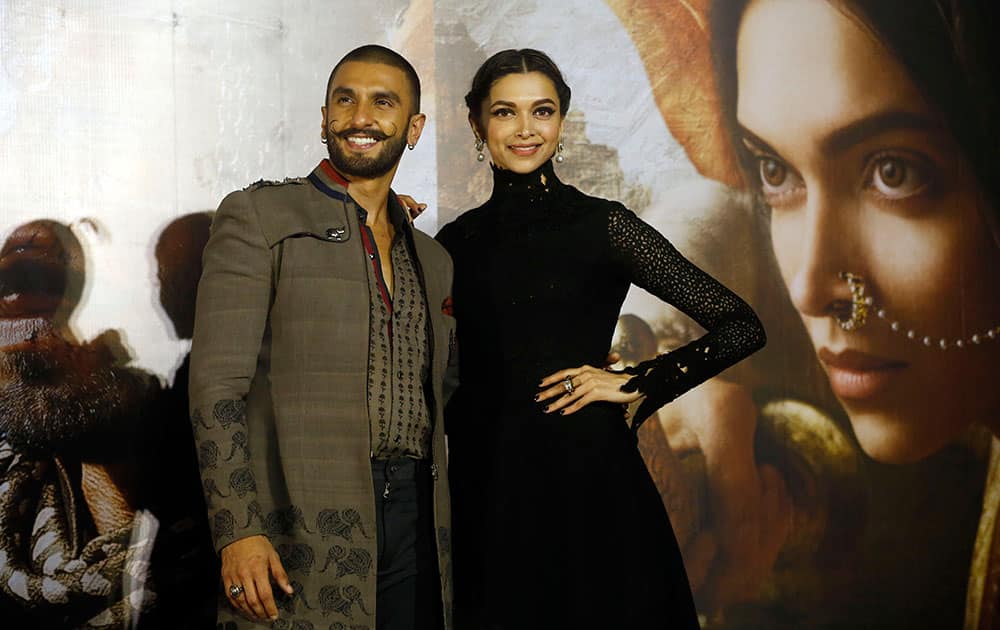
[[410, 146], [322, 138], [479, 148]]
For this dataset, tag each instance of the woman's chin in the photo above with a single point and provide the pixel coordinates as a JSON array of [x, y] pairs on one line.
[[522, 164], [900, 438]]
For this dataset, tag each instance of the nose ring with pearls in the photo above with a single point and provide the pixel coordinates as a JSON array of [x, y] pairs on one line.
[[860, 303]]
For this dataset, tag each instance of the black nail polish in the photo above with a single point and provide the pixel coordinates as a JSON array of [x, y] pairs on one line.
[[536, 398], [562, 412]]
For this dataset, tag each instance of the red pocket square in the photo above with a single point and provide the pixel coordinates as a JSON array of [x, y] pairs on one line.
[[448, 307]]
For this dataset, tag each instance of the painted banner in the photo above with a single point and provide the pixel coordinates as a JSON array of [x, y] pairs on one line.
[[825, 164]]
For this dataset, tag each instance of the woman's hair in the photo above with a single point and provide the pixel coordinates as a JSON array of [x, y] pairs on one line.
[[513, 61], [945, 46]]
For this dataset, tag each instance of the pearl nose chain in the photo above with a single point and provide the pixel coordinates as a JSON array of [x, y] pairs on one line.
[[862, 304]]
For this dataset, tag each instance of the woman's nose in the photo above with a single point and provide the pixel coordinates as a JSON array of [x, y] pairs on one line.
[[827, 245]]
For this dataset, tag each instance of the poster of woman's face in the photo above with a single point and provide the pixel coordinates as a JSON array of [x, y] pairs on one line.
[[831, 161]]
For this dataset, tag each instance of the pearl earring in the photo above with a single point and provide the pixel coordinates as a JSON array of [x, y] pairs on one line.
[[479, 148], [559, 153]]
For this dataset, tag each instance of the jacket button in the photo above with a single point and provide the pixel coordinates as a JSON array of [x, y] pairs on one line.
[[335, 233], [434, 471]]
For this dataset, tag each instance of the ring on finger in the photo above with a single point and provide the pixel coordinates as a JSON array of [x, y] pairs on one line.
[[568, 385], [236, 590]]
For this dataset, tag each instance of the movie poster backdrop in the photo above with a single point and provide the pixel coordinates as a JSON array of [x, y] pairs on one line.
[[122, 125]]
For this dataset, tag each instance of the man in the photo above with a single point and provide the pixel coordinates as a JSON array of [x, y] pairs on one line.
[[92, 533], [319, 349]]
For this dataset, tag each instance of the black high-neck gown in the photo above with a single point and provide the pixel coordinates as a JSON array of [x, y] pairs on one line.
[[557, 523]]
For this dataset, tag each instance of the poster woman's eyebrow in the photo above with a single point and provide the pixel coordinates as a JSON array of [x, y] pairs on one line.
[[876, 124], [752, 142]]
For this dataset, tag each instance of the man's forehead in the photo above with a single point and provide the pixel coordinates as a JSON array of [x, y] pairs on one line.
[[365, 76]]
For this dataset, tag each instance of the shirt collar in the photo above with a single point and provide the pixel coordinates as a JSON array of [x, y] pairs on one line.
[[329, 181], [330, 175], [397, 214]]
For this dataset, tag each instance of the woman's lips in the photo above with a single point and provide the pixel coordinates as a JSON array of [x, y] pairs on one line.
[[856, 375], [524, 150]]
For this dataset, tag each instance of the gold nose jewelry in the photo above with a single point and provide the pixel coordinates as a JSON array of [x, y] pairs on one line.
[[861, 303]]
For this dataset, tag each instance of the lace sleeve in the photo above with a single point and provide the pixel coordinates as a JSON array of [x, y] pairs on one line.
[[734, 332]]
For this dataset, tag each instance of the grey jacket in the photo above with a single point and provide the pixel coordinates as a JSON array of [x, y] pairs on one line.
[[278, 393]]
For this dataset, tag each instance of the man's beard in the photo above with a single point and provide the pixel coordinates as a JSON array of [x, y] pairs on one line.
[[362, 165], [58, 398]]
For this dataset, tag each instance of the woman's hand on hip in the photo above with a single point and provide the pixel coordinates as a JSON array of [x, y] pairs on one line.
[[568, 391]]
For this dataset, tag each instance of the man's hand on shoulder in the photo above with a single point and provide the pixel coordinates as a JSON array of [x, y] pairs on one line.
[[250, 563], [413, 208]]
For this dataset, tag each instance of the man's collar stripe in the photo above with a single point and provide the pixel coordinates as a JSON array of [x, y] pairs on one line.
[[326, 190]]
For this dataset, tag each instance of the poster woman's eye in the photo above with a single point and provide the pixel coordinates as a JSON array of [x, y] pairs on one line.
[[895, 177], [780, 185], [772, 173]]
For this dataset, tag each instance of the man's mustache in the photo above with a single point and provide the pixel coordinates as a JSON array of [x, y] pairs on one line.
[[371, 133]]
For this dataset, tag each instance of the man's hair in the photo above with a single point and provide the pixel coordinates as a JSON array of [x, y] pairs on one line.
[[373, 53]]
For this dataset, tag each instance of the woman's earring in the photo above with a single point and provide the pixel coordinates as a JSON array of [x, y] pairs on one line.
[[479, 148], [559, 153], [859, 303]]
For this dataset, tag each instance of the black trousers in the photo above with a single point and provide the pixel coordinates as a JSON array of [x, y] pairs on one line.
[[408, 588]]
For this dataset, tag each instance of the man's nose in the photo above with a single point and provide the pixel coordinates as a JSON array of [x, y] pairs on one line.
[[361, 116]]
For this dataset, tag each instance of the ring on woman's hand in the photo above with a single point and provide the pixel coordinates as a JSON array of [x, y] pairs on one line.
[[235, 590], [568, 385]]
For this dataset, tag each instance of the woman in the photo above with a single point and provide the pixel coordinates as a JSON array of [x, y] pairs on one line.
[[557, 523], [869, 129]]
